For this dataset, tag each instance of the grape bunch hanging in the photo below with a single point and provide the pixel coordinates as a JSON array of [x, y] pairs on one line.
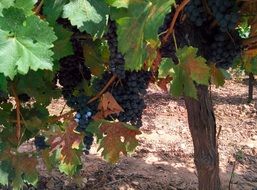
[[129, 93], [116, 60], [212, 25], [128, 89]]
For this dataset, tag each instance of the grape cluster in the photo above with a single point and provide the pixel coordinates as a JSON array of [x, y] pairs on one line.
[[224, 49], [83, 118], [24, 97], [116, 60], [130, 96], [3, 97], [88, 141], [72, 71], [218, 43], [196, 11], [40, 142], [225, 12], [83, 115], [129, 93]]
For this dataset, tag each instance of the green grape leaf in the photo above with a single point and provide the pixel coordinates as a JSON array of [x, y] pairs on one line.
[[138, 34], [49, 159], [5, 113], [118, 3], [3, 83], [189, 87], [254, 66], [87, 15], [4, 4], [35, 117], [97, 55], [22, 167], [70, 169], [12, 19], [191, 68], [249, 61], [115, 138], [4, 172], [41, 88], [62, 46], [53, 9], [38, 30], [27, 47], [25, 171], [177, 86], [250, 65], [194, 65], [166, 68], [26, 5]]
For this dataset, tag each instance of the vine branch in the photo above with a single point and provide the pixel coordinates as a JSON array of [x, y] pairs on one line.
[[103, 90], [38, 8], [18, 116], [174, 19], [53, 120]]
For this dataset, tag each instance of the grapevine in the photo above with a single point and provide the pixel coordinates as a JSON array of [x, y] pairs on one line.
[[100, 58]]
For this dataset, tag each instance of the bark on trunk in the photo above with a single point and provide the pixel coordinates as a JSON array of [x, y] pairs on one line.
[[250, 90], [203, 131]]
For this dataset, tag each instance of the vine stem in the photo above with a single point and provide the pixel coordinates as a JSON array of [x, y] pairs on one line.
[[38, 8], [112, 79], [103, 90], [174, 19], [232, 175], [18, 116], [53, 120]]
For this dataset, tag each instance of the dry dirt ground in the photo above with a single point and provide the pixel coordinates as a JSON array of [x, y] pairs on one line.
[[164, 159]]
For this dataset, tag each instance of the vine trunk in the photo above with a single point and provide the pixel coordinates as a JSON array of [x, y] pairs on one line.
[[203, 131], [250, 89]]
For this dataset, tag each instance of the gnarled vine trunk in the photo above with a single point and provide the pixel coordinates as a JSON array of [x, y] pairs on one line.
[[203, 131], [250, 87]]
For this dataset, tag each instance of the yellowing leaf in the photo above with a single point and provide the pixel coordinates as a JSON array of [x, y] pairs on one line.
[[107, 106], [162, 83], [191, 68], [114, 138], [118, 139], [67, 142], [217, 76], [194, 65]]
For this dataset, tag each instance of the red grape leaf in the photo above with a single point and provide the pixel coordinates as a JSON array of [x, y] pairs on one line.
[[119, 139], [217, 76], [162, 83], [114, 138], [250, 63], [68, 141], [24, 166], [107, 106]]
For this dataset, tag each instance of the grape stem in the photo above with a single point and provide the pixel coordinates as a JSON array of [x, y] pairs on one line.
[[18, 116], [103, 90], [174, 19], [249, 41], [68, 114]]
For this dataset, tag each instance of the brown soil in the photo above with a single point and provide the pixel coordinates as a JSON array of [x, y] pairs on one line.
[[164, 159]]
